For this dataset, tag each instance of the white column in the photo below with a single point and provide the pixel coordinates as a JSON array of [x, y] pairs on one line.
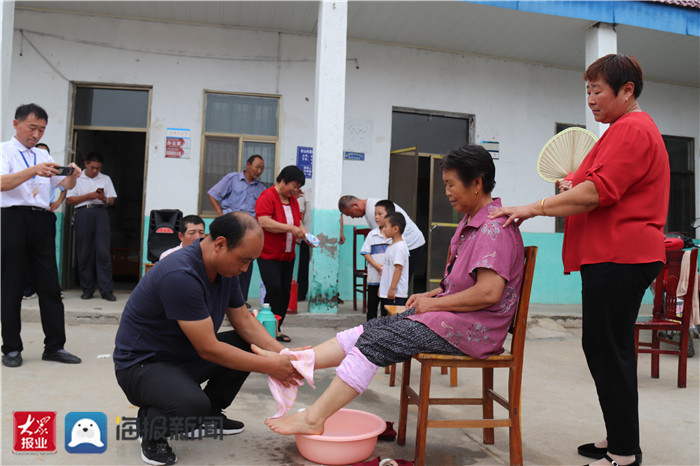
[[7, 19], [601, 40], [331, 45]]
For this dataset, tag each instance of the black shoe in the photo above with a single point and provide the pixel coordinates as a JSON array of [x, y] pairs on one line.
[[12, 359], [157, 452], [589, 450], [61, 356], [86, 295], [109, 296], [615, 463], [340, 301], [230, 427]]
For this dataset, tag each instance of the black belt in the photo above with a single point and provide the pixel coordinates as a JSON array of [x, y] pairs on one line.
[[27, 207], [91, 206]]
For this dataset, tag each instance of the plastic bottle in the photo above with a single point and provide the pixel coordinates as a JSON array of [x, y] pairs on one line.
[[262, 292], [267, 318]]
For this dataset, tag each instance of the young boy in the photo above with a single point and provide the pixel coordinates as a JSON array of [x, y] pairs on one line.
[[373, 250], [393, 286]]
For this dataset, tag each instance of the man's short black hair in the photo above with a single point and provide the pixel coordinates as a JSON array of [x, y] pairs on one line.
[[396, 219], [252, 158], [233, 227], [387, 204], [190, 220], [23, 111], [94, 157]]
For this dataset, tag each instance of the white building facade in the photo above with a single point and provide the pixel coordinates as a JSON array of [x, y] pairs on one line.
[[130, 86]]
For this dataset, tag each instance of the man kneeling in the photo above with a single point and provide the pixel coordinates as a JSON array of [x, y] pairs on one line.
[[167, 343]]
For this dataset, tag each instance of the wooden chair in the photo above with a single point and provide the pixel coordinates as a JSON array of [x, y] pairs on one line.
[[513, 361], [664, 315], [359, 274]]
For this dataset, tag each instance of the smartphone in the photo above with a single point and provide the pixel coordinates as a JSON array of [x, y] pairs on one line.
[[100, 190], [64, 171]]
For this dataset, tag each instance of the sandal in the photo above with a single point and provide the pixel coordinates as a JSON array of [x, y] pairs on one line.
[[591, 451], [615, 463], [283, 338]]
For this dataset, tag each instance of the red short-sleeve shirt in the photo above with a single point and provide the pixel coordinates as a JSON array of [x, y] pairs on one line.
[[270, 204], [630, 168]]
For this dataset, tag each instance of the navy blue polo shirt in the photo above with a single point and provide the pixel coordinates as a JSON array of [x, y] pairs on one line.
[[176, 288]]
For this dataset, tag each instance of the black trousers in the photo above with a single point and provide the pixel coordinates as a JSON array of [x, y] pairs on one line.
[[92, 236], [611, 296], [28, 243], [303, 271], [165, 390], [277, 277], [373, 302], [244, 280]]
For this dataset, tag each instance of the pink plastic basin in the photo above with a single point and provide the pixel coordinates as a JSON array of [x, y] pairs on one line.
[[349, 437]]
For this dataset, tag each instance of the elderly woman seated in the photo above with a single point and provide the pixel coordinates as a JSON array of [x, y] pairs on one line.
[[468, 314]]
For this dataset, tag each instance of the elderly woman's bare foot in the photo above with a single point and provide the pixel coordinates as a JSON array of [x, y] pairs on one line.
[[297, 423], [262, 352]]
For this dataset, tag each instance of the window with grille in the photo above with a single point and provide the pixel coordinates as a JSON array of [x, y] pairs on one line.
[[237, 126]]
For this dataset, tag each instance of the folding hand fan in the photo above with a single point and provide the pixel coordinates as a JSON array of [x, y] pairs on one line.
[[564, 152]]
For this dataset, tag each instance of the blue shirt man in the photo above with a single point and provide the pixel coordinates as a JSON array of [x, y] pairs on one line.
[[238, 191]]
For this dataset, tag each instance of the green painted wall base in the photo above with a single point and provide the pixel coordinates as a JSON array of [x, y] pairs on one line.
[[330, 270], [325, 263], [550, 285]]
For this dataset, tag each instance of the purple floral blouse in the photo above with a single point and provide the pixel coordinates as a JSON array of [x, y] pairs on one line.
[[487, 244]]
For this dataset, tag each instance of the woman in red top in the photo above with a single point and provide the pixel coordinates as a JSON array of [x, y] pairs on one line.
[[277, 210], [616, 206]]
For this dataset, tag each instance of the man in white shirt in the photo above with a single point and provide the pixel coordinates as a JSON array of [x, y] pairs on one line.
[[92, 194], [191, 228], [356, 208], [28, 234]]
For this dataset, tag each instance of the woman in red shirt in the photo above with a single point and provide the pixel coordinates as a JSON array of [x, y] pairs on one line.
[[277, 210], [616, 206]]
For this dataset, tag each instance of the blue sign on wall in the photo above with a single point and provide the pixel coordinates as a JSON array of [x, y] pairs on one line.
[[305, 160], [354, 155]]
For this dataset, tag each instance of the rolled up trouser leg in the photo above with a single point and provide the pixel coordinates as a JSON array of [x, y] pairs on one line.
[[348, 338], [356, 370]]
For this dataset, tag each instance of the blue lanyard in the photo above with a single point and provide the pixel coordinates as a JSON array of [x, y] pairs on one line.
[[27, 163]]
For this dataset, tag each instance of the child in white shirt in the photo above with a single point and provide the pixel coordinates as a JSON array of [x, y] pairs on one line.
[[373, 250], [393, 286]]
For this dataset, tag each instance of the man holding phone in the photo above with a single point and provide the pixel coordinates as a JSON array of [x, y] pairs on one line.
[[92, 194], [27, 177]]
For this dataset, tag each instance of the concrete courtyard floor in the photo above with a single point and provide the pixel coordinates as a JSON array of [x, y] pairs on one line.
[[559, 404]]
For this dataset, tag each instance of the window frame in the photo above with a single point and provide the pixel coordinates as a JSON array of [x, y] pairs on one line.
[[243, 138]]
